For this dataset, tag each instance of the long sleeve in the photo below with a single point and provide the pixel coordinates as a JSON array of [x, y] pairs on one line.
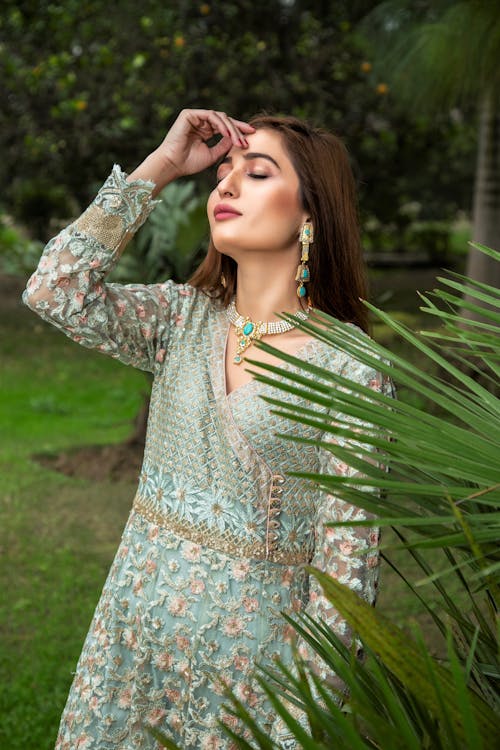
[[348, 553], [128, 322]]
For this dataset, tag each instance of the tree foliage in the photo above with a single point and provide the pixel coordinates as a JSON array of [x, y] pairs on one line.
[[87, 83], [438, 54], [441, 55]]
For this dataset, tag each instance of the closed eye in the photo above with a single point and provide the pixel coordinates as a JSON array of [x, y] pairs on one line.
[[253, 175]]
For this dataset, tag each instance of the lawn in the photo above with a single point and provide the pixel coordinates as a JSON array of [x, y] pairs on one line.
[[59, 534]]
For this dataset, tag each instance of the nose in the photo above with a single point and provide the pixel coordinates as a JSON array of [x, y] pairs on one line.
[[228, 185]]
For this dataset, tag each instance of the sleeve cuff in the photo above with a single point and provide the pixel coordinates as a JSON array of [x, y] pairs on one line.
[[118, 210]]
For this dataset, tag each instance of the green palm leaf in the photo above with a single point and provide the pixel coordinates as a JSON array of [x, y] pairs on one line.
[[442, 497]]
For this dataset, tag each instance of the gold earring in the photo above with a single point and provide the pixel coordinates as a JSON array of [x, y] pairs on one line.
[[223, 280], [303, 274]]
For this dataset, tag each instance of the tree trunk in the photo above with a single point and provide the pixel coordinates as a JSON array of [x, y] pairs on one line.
[[486, 206]]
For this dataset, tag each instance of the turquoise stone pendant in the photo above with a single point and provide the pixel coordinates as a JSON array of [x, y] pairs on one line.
[[303, 276], [247, 332], [307, 233]]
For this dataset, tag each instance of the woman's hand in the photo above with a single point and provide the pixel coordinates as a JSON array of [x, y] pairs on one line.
[[185, 147], [185, 151]]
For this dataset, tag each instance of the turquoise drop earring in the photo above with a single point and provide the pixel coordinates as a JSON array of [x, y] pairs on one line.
[[303, 274]]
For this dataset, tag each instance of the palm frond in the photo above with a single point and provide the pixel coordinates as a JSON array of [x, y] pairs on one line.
[[445, 475], [442, 497]]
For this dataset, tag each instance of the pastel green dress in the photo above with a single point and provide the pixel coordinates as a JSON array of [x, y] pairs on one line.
[[219, 533]]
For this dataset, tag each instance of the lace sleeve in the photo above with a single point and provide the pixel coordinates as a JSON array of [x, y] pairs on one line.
[[348, 553], [128, 322]]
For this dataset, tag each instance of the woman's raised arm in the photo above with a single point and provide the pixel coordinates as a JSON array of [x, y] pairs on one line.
[[185, 149], [129, 322]]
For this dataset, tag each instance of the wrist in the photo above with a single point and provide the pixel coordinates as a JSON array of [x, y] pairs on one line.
[[155, 168]]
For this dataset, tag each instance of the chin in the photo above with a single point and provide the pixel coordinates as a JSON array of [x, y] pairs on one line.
[[224, 247]]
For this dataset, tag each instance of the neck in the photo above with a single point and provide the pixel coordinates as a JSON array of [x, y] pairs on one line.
[[266, 289]]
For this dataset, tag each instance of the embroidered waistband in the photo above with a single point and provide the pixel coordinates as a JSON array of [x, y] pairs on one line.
[[208, 536]]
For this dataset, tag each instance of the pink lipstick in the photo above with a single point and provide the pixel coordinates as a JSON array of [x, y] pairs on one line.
[[223, 211]]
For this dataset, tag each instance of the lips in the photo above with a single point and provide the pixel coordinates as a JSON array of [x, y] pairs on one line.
[[223, 211]]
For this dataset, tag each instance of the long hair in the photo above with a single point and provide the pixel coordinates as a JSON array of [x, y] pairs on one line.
[[328, 194]]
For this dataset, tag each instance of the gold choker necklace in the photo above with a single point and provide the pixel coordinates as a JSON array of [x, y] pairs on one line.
[[248, 331]]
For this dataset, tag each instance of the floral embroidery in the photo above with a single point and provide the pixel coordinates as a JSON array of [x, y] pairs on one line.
[[189, 608]]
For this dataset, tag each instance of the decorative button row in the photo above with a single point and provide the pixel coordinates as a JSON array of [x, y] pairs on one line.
[[274, 509]]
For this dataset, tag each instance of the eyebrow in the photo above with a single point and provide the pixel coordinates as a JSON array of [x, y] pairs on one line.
[[250, 156]]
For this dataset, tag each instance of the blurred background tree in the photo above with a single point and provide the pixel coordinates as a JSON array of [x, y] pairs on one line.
[[87, 83], [442, 55]]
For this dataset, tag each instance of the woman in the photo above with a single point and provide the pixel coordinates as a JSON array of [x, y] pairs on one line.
[[219, 534]]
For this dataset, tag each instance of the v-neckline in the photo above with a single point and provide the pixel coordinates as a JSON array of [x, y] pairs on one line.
[[252, 381], [245, 452]]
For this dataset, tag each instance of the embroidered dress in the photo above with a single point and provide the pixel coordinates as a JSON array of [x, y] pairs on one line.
[[219, 534]]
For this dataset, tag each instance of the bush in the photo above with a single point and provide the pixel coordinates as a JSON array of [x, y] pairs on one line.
[[18, 254]]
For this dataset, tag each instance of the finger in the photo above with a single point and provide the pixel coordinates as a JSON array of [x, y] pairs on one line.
[[204, 120], [242, 129], [203, 124], [221, 148], [227, 128], [237, 136], [243, 126], [208, 122]]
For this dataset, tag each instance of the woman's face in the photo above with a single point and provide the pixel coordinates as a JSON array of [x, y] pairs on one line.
[[256, 206]]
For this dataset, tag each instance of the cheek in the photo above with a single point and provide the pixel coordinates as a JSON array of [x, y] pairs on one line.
[[284, 207], [212, 201]]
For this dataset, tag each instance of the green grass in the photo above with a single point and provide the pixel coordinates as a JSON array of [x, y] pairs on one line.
[[58, 535]]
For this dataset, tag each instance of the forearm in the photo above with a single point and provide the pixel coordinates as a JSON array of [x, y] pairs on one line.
[[155, 168], [185, 148], [84, 252], [69, 289]]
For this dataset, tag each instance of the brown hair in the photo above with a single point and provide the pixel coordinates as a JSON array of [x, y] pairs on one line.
[[328, 194]]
